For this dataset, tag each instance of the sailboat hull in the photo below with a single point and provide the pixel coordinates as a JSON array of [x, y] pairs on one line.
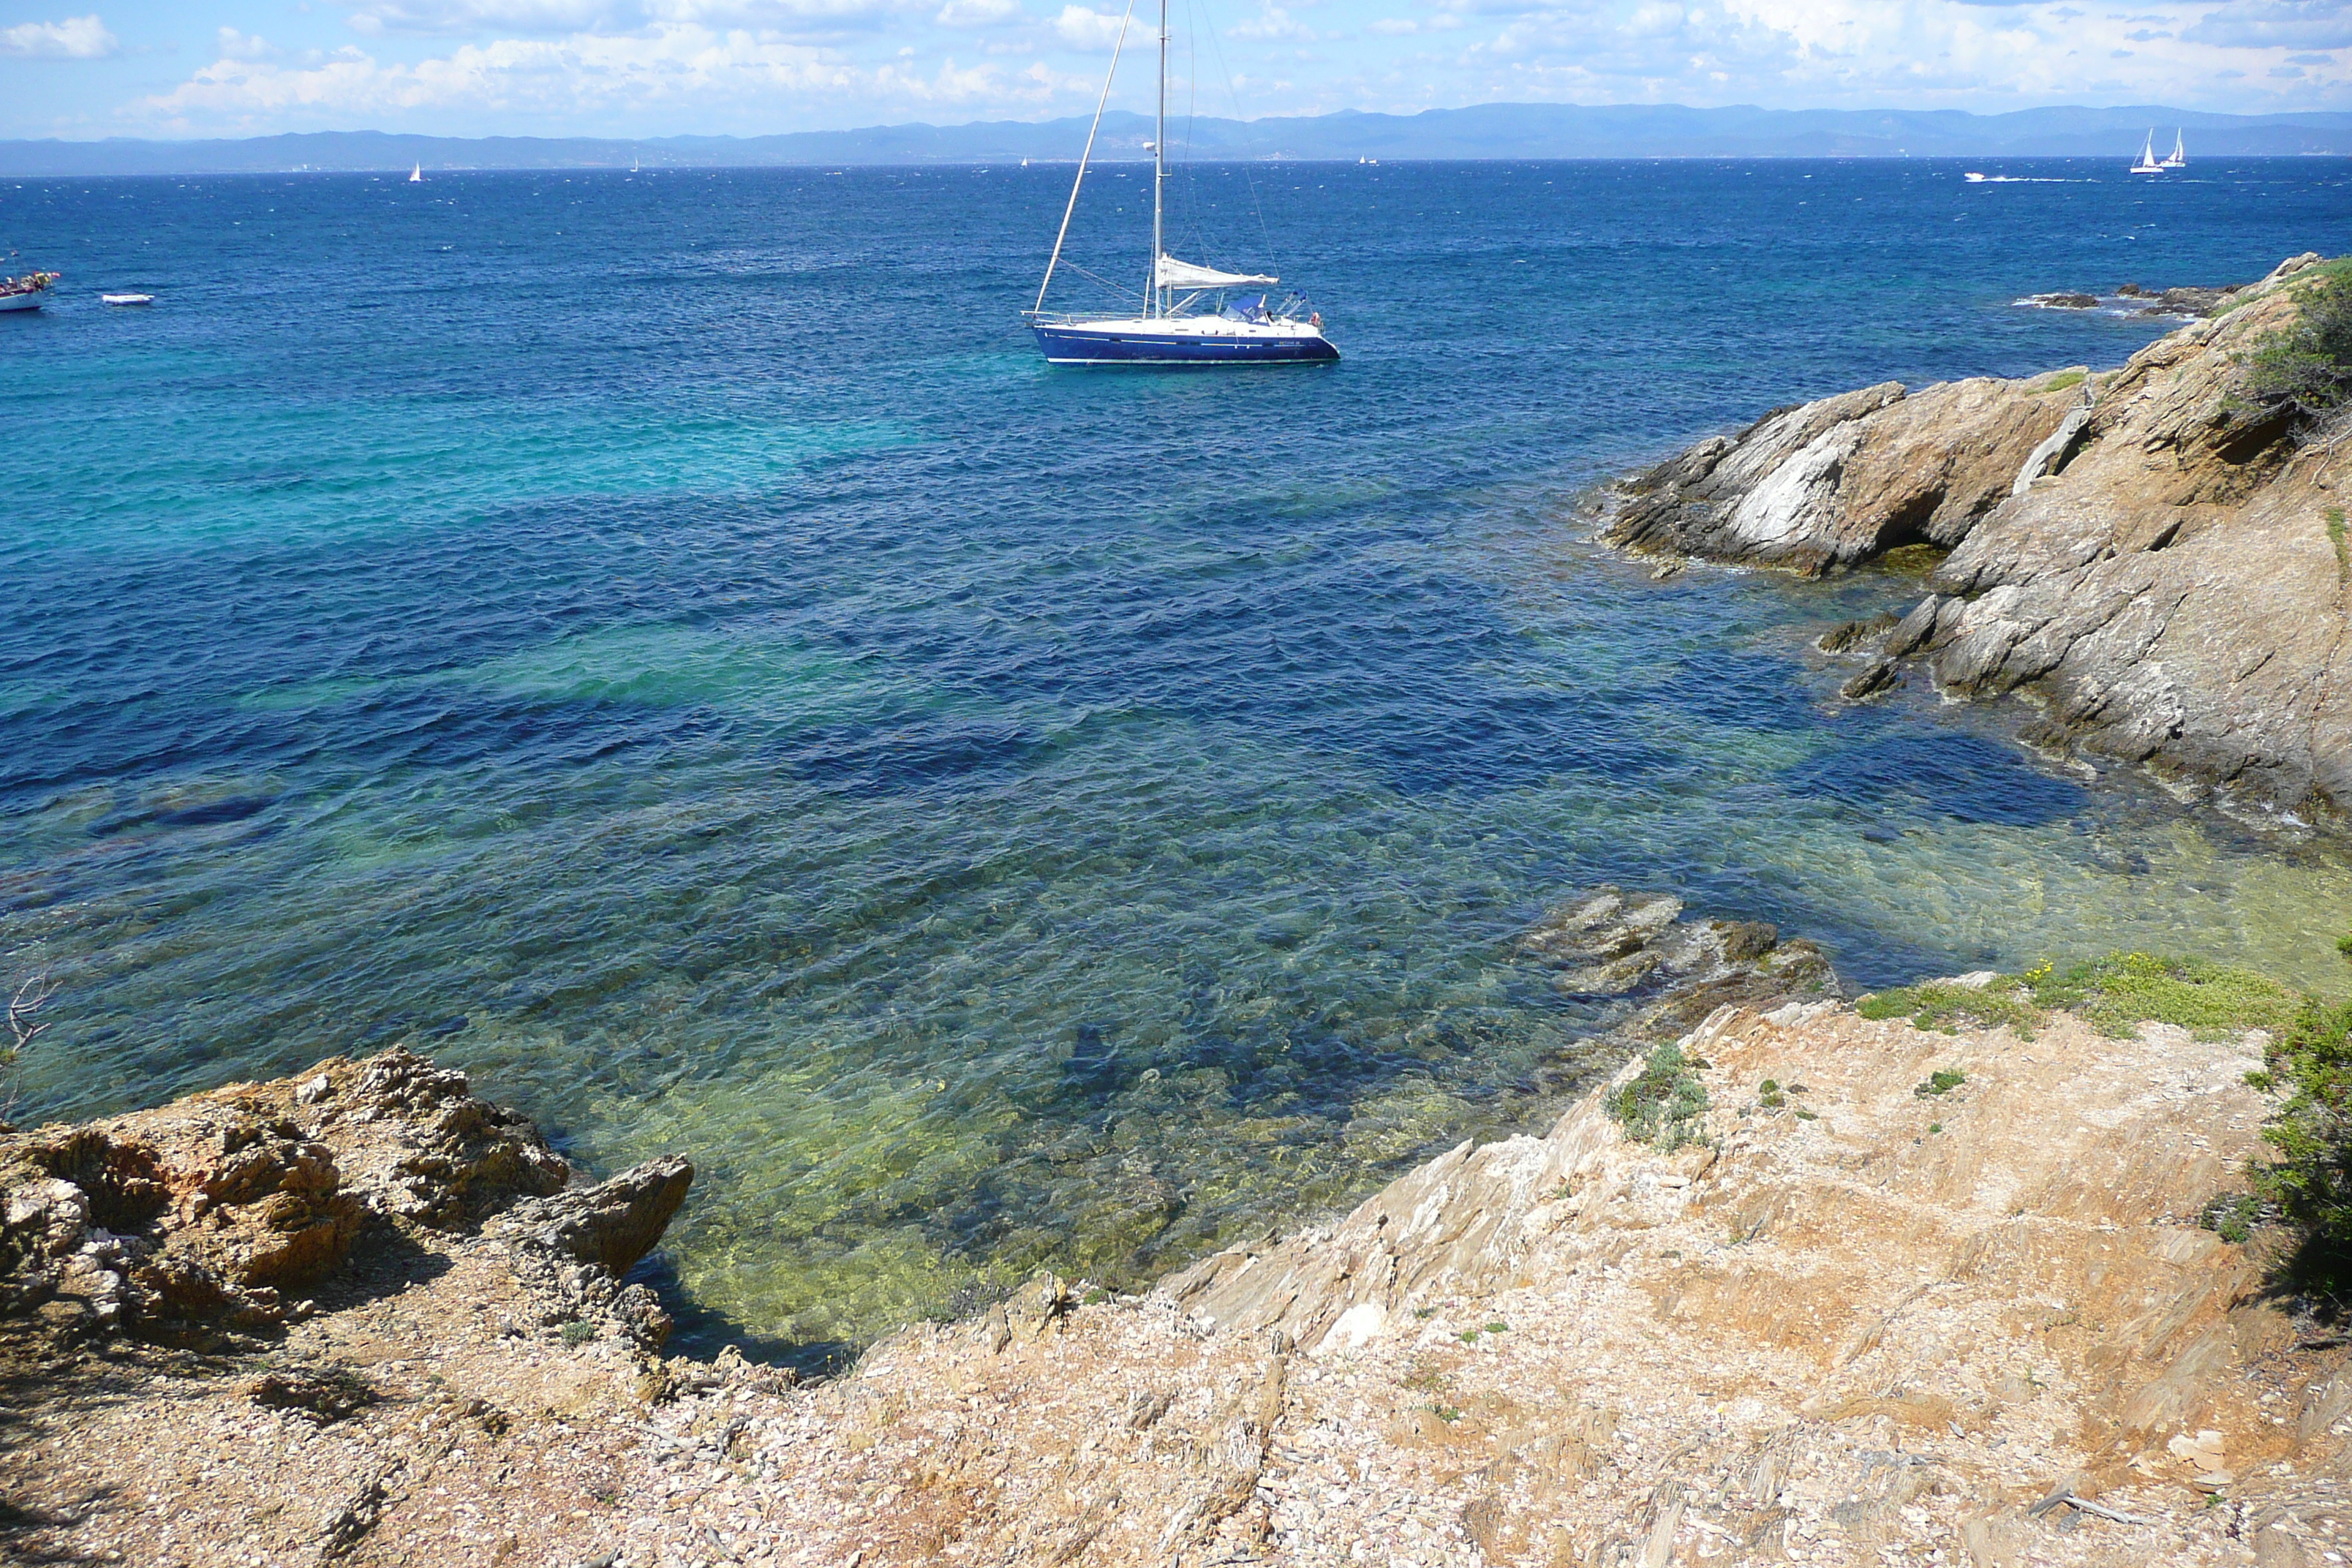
[[1135, 342]]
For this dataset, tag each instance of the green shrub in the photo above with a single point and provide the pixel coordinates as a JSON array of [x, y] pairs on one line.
[[1943, 1007], [2233, 1217], [2311, 1180], [1943, 1080], [1662, 1107], [2304, 370], [576, 1334]]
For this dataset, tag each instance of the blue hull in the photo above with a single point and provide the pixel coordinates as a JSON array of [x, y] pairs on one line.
[[1081, 345]]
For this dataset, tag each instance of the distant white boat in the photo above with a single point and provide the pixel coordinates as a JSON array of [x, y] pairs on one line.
[[416, 175], [2148, 164], [128, 299], [1973, 178], [2179, 159]]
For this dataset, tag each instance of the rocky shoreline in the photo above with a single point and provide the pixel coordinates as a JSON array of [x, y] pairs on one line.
[[2157, 566], [1792, 1285], [1795, 1284]]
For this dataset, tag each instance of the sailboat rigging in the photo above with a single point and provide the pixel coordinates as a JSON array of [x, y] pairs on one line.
[[1173, 327], [2179, 159]]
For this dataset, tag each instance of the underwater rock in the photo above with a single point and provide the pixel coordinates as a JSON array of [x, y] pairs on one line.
[[1607, 942]]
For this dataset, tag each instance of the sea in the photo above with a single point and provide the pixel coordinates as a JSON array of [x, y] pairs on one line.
[[664, 642]]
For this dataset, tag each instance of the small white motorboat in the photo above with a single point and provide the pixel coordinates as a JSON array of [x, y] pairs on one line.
[[128, 299], [1973, 177]]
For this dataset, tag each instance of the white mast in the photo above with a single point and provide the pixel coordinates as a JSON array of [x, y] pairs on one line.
[[1100, 104], [1159, 164]]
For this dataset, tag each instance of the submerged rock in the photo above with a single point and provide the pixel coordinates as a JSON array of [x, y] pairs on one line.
[[1607, 942]]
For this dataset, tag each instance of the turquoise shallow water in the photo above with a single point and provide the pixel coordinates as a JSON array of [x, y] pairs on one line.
[[665, 645]]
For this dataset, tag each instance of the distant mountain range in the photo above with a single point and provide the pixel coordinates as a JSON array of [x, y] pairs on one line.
[[1487, 130]]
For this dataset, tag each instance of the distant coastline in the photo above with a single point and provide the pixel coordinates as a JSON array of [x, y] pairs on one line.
[[1484, 132]]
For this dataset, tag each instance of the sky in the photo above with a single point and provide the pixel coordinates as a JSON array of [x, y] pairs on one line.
[[653, 67]]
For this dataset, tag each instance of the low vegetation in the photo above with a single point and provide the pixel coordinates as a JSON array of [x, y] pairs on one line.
[[2115, 995], [1663, 1106]]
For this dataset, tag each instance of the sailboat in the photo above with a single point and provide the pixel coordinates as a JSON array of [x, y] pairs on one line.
[[416, 175], [2148, 164], [1175, 326], [28, 292], [2179, 159]]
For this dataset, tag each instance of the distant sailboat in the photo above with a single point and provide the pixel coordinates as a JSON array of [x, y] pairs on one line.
[[2148, 164], [2179, 159], [1167, 330], [416, 175]]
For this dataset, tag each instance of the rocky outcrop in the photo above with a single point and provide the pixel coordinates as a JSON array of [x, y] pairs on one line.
[[1820, 488], [1908, 1296], [231, 1211], [2160, 564]]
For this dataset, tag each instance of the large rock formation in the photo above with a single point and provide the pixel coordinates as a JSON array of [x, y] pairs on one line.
[[2160, 564], [226, 1212]]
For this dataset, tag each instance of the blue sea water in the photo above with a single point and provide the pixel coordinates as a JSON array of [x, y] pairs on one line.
[[666, 643]]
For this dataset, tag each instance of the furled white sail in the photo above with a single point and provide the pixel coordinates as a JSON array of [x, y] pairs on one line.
[[1175, 274]]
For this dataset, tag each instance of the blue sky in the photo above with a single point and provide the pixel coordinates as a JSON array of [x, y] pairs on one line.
[[465, 67]]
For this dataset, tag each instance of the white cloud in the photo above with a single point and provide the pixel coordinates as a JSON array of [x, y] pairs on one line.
[[977, 13], [530, 17], [237, 46], [1272, 24], [2276, 24], [75, 38], [560, 18], [1091, 31], [599, 76]]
